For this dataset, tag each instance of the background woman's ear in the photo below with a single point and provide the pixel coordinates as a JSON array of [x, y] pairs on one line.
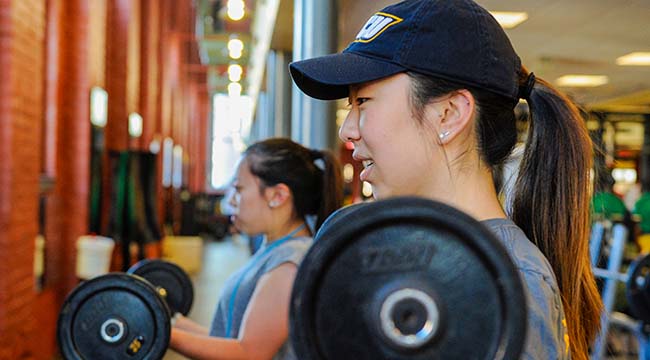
[[277, 195], [452, 116]]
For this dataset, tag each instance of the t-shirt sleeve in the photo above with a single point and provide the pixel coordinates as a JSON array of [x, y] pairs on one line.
[[547, 336], [290, 253]]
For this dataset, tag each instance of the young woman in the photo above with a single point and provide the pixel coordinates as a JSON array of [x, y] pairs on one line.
[[278, 184], [432, 85]]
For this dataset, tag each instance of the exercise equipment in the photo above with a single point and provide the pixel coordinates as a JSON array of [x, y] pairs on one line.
[[114, 316], [406, 278], [638, 288], [172, 283], [608, 242], [124, 315]]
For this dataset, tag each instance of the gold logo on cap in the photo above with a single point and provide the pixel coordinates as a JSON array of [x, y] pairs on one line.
[[375, 26]]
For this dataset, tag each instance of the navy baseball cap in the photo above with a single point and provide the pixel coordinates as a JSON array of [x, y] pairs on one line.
[[456, 40]]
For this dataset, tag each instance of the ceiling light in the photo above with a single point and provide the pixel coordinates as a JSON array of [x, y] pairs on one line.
[[234, 72], [234, 89], [509, 19], [582, 80], [235, 48], [236, 9], [635, 58]]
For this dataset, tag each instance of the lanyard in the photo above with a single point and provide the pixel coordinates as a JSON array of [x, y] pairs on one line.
[[231, 303]]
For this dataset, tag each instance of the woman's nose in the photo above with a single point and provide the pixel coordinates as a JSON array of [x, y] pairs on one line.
[[349, 131]]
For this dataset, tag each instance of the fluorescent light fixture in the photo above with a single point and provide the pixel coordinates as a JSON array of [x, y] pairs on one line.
[[167, 149], [509, 19], [235, 48], [234, 72], [234, 89], [98, 106], [177, 166], [582, 80], [236, 9], [635, 58], [135, 124]]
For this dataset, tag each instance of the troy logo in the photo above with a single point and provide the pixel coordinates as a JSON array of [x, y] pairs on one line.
[[375, 26], [394, 258]]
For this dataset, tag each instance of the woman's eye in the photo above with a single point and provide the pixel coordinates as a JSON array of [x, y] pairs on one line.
[[361, 100]]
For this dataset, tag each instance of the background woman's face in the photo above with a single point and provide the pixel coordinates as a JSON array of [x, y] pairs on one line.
[[399, 152], [248, 201]]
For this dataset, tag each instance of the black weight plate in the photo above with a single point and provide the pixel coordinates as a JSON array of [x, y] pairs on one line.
[[339, 215], [637, 290], [387, 248], [178, 290], [113, 316]]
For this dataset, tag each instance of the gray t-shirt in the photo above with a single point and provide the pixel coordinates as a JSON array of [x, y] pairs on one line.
[[239, 288], [547, 335]]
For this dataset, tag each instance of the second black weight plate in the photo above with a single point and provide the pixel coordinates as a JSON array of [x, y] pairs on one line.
[[173, 282], [407, 278]]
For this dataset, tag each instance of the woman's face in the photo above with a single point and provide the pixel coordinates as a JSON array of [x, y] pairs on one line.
[[249, 204], [399, 153]]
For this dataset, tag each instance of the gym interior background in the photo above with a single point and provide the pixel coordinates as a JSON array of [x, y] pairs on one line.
[[124, 118]]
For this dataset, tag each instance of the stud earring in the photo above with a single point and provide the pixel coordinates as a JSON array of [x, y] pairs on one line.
[[444, 135]]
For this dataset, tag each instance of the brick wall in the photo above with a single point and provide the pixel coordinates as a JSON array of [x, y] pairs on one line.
[[48, 62], [21, 52]]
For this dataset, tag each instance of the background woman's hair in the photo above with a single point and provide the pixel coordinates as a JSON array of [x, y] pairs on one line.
[[314, 176], [551, 193]]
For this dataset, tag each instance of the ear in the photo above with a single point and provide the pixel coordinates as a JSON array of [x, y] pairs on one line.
[[452, 116], [277, 195]]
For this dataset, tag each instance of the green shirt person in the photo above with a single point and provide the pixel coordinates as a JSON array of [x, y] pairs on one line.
[[606, 205], [642, 211]]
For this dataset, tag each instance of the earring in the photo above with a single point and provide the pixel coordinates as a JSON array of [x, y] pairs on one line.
[[444, 135]]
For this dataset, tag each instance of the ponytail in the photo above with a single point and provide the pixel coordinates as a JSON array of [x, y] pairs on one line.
[[551, 205], [331, 186]]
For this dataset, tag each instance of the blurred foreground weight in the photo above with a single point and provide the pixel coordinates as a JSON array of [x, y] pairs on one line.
[[407, 278], [114, 316], [172, 283]]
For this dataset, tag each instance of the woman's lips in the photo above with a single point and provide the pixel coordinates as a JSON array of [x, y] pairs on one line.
[[368, 165]]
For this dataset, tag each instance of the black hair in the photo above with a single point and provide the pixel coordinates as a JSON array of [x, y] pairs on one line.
[[551, 194], [314, 176]]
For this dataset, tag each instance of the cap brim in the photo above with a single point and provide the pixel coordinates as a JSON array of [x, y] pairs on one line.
[[329, 77]]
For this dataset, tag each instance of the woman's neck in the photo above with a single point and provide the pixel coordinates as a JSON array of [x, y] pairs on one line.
[[285, 229], [471, 190]]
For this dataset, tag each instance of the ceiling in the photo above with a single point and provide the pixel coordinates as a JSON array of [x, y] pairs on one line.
[[214, 30]]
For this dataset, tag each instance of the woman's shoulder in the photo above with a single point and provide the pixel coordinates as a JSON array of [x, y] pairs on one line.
[[292, 251], [525, 255], [547, 333]]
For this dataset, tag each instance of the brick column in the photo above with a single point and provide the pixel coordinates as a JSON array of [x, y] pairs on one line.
[[70, 200], [21, 96], [149, 69], [117, 24], [116, 131]]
